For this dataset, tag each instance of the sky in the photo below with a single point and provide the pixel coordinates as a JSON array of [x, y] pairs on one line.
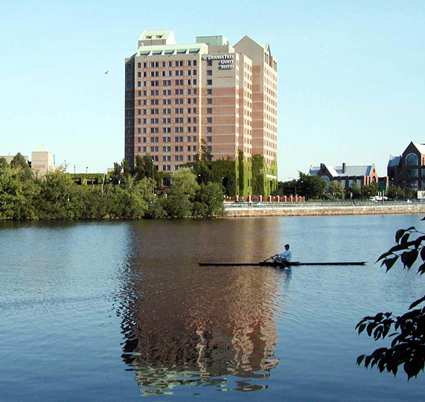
[[351, 74]]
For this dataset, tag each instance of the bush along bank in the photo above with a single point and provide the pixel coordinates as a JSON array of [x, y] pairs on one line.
[[121, 195]]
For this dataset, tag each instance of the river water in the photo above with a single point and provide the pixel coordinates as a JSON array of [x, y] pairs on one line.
[[121, 311]]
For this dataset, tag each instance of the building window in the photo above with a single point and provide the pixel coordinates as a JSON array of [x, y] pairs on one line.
[[209, 82], [209, 72], [412, 160]]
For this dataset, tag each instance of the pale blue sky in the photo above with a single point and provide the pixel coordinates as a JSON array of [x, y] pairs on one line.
[[351, 73]]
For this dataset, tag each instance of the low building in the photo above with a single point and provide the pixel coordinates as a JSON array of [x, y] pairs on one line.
[[347, 175], [42, 162], [408, 169]]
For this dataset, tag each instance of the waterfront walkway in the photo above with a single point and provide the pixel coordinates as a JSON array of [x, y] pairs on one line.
[[245, 209]]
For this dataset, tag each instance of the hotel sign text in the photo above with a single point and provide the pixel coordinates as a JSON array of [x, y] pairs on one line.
[[225, 61]]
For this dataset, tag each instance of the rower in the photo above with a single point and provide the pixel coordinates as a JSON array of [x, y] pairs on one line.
[[284, 257]]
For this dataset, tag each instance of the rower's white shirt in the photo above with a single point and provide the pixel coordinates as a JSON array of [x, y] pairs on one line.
[[286, 255]]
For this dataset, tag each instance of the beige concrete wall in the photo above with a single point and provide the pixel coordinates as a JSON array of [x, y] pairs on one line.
[[326, 211]]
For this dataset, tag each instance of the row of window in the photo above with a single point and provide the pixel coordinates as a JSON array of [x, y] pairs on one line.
[[167, 73], [166, 83], [176, 110], [165, 130], [168, 92], [168, 101], [169, 111], [167, 120], [165, 148], [154, 140], [177, 158], [170, 63]]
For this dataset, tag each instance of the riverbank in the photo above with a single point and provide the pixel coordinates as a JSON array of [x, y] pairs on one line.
[[234, 210]]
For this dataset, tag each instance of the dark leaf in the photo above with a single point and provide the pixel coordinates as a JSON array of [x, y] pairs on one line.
[[361, 328], [411, 369], [400, 247], [398, 235], [421, 269], [360, 359], [382, 256], [419, 240], [415, 303], [423, 253], [389, 262], [369, 328], [404, 238], [408, 258], [367, 360]]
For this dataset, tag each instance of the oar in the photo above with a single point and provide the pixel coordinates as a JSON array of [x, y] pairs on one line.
[[269, 258]]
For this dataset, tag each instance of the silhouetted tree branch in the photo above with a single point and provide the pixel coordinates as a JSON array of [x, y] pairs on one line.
[[406, 332]]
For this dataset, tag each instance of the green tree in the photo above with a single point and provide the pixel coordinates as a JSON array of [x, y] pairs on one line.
[[59, 197], [369, 190], [354, 191], [398, 193], [95, 203], [18, 162], [335, 190], [311, 187], [406, 331], [286, 187], [145, 167], [117, 174], [185, 181], [17, 194], [181, 194], [3, 163], [208, 201]]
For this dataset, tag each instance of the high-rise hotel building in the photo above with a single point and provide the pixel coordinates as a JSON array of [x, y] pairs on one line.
[[179, 96]]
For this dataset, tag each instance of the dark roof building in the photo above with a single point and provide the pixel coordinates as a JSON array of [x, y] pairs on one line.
[[347, 175], [408, 169]]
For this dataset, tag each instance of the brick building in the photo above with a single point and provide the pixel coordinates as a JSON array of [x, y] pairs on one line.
[[180, 96], [408, 169], [347, 175]]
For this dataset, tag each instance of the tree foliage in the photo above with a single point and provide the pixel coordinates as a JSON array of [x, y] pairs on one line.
[[335, 190], [398, 193], [369, 190], [126, 193], [406, 331], [311, 187]]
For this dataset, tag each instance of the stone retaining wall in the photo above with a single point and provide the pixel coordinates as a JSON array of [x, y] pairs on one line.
[[325, 210]]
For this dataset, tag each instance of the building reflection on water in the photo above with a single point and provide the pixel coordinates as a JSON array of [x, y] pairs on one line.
[[187, 325]]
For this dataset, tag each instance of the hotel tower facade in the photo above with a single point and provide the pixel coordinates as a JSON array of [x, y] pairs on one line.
[[181, 96]]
